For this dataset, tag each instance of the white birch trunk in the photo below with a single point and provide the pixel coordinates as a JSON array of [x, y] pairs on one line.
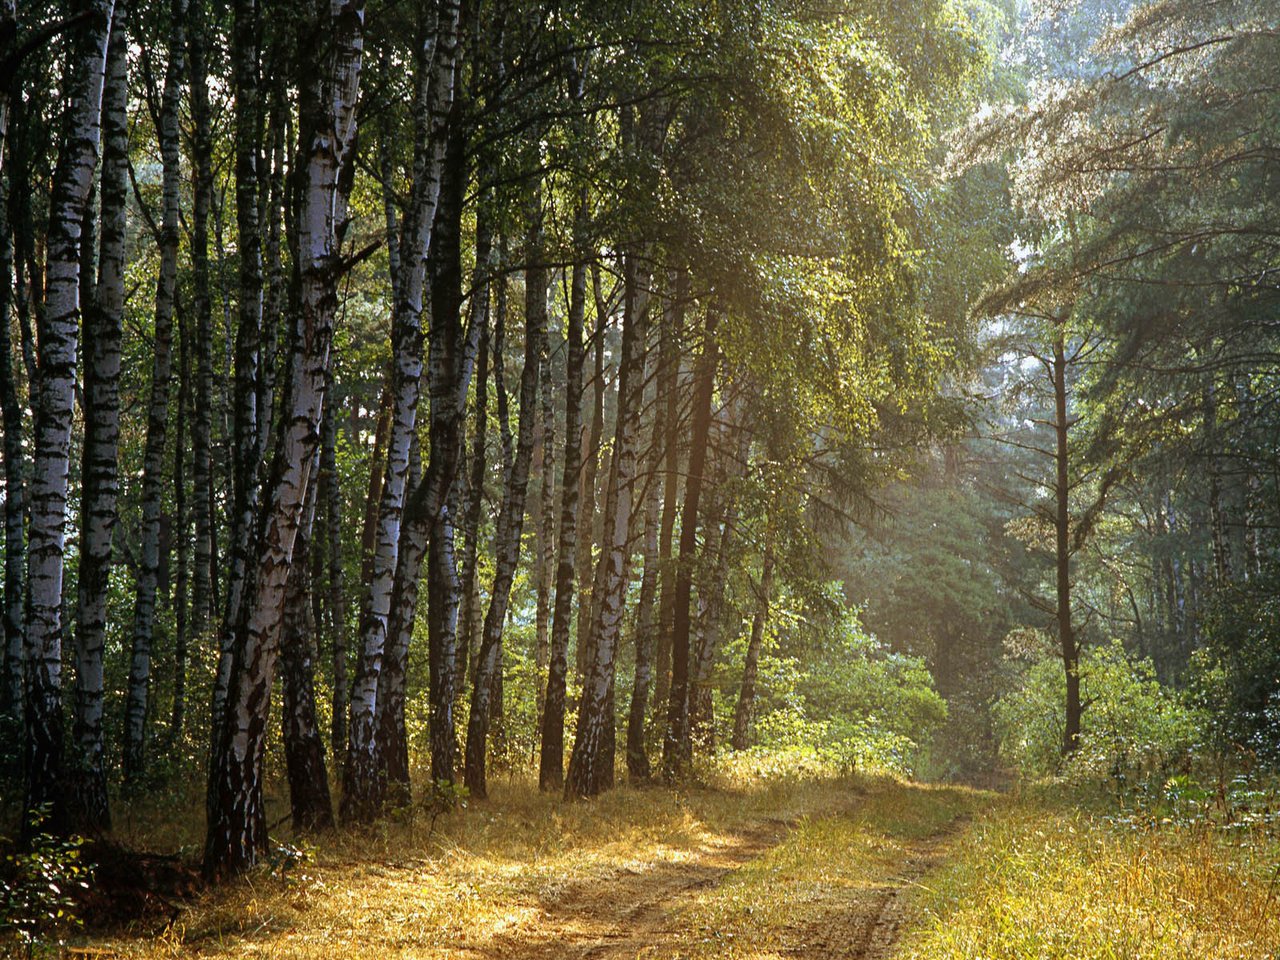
[[58, 341], [591, 764], [103, 327], [153, 465], [237, 818], [434, 100]]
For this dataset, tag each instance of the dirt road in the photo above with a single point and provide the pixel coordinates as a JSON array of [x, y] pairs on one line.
[[640, 910]]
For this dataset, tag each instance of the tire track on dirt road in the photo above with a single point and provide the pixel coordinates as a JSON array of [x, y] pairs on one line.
[[636, 910]]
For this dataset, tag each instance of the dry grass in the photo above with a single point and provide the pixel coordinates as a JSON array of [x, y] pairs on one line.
[[831, 888], [1034, 879], [480, 879], [760, 870]]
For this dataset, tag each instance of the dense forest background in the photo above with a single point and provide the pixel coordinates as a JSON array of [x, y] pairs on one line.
[[397, 396]]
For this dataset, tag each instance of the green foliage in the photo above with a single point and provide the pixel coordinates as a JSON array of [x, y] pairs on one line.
[[1235, 677], [38, 889], [1132, 726], [288, 861], [852, 705]]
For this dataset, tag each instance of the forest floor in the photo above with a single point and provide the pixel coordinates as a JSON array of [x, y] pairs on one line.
[[822, 868], [861, 868]]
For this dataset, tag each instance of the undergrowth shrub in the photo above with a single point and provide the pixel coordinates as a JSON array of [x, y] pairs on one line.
[[1132, 727], [38, 887], [1235, 677], [859, 706]]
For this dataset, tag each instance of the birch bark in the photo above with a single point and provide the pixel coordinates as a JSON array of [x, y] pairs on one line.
[[677, 747], [591, 763], [646, 614], [100, 481], [511, 516], [309, 804], [551, 756], [58, 324], [327, 119], [433, 103], [153, 460]]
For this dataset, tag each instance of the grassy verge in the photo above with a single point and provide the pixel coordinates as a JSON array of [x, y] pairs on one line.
[[1040, 877]]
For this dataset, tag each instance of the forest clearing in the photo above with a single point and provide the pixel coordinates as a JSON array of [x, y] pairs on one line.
[[666, 479]]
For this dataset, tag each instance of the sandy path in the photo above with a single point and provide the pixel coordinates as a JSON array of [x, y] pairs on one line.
[[866, 923], [635, 911]]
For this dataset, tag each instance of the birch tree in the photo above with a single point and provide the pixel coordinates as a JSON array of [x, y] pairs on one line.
[[153, 464], [677, 748], [551, 753], [100, 482], [436, 68], [58, 342], [237, 826], [511, 516], [591, 765]]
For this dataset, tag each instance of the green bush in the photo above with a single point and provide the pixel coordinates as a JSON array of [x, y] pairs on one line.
[[1235, 677], [37, 891], [857, 706], [1131, 725]]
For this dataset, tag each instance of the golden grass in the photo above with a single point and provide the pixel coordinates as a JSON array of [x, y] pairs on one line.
[[1035, 879], [830, 884], [751, 870], [483, 874]]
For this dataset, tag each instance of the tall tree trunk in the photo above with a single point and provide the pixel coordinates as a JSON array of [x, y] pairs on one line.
[[591, 763], [646, 616], [393, 742], [432, 108], [272, 205], [327, 117], [588, 478], [181, 525], [203, 573], [331, 492], [677, 746], [545, 560], [309, 804], [100, 481], [669, 382], [511, 517], [1062, 529], [744, 711], [245, 458], [153, 461], [373, 494], [452, 359], [507, 446], [702, 705], [15, 488], [11, 666], [469, 621], [551, 757], [705, 584], [59, 323]]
